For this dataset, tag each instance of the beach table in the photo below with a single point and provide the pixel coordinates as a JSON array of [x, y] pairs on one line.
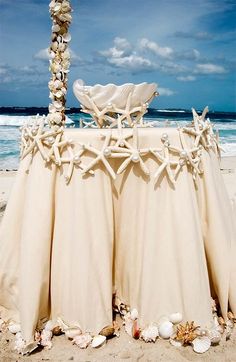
[[161, 246]]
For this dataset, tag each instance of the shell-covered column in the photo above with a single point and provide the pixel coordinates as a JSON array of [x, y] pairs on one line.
[[60, 11]]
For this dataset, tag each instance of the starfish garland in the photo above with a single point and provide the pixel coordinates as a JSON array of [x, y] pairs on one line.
[[131, 153], [101, 156], [165, 160], [185, 154], [200, 127]]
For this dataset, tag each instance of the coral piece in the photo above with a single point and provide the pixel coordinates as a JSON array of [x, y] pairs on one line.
[[186, 333], [150, 333]]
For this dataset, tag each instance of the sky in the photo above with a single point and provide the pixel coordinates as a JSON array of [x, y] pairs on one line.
[[187, 47]]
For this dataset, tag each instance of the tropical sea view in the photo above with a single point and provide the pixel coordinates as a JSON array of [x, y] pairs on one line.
[[11, 118]]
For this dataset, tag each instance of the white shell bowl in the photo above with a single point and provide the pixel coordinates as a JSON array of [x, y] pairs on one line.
[[117, 95]]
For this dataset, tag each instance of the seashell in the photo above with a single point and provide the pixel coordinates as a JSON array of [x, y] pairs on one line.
[[72, 332], [135, 330], [150, 333], [98, 341], [56, 7], [82, 340], [57, 331], [201, 344], [215, 336], [230, 324], [50, 324], [166, 329], [14, 328], [60, 75], [134, 314], [61, 47], [57, 84], [37, 336], [19, 345], [54, 46], [27, 349], [52, 108], [108, 331], [56, 28], [176, 343], [175, 318], [163, 319], [67, 37], [57, 104], [65, 6], [65, 17], [228, 332], [58, 94]]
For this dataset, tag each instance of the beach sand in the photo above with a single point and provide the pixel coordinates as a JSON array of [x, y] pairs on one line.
[[123, 348]]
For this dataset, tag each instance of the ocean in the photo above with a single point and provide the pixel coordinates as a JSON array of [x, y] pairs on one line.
[[11, 118]]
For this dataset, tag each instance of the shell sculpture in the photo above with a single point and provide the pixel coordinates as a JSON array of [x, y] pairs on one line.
[[60, 11]]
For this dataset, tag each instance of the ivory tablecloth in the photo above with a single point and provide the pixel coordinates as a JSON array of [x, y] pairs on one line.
[[64, 249]]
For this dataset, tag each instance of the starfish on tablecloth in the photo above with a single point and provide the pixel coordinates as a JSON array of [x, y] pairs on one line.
[[57, 144], [163, 156], [73, 159], [200, 127], [36, 136], [101, 155], [186, 154], [121, 139], [131, 153]]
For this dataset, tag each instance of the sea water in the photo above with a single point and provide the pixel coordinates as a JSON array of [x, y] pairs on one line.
[[12, 118]]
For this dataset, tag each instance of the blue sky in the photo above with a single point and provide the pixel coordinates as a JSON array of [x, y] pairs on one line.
[[186, 47]]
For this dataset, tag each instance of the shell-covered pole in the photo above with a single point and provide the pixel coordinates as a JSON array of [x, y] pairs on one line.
[[60, 11]]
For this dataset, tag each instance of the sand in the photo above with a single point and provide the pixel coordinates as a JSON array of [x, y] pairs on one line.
[[123, 348]]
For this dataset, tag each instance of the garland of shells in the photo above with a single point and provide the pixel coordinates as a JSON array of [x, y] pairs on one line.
[[52, 144], [60, 11], [168, 327]]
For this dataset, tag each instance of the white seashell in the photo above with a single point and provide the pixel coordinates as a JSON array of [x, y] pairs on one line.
[[65, 6], [58, 94], [134, 314], [66, 37], [19, 345], [72, 332], [60, 75], [201, 344], [57, 7], [14, 328], [56, 28], [215, 336], [54, 46], [150, 333], [175, 318], [50, 324], [98, 341], [82, 340], [57, 104], [176, 343], [61, 47], [166, 329]]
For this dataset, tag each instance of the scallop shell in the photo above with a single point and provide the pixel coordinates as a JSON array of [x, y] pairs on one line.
[[98, 341], [56, 28], [67, 37], [166, 329], [14, 328], [175, 318], [83, 340], [107, 331], [150, 333], [201, 344]]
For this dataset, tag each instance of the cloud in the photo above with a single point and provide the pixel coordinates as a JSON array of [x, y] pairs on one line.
[[192, 54], [187, 78], [121, 48], [201, 35], [209, 68], [172, 68], [165, 52], [165, 92]]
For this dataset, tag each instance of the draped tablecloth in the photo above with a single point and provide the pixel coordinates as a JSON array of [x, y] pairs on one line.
[[162, 248]]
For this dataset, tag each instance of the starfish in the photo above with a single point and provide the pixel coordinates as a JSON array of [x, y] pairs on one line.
[[165, 160], [130, 152], [57, 144], [36, 136], [101, 156], [88, 124], [125, 114], [121, 140], [73, 160], [95, 112], [185, 154], [200, 127]]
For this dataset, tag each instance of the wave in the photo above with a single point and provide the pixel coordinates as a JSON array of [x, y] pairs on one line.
[[17, 121], [170, 110]]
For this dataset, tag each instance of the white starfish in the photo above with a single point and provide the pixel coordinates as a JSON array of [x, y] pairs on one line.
[[57, 145], [200, 127], [101, 156], [87, 124], [186, 153], [131, 152], [121, 140], [125, 114], [73, 160], [95, 112], [36, 135], [163, 156]]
